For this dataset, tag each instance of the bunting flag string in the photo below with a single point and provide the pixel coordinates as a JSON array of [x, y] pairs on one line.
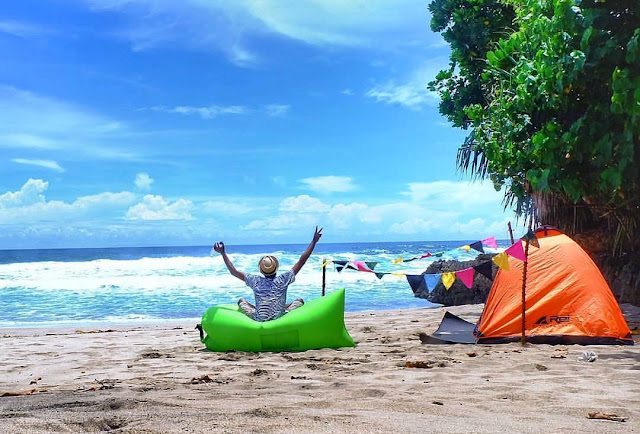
[[423, 284], [478, 246], [428, 255]]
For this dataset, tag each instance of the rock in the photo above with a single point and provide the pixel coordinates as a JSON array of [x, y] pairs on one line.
[[458, 293]]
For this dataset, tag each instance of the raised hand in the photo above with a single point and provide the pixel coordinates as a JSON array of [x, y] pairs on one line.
[[317, 234], [219, 247]]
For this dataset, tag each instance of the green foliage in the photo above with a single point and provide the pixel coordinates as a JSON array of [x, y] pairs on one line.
[[470, 27], [559, 111]]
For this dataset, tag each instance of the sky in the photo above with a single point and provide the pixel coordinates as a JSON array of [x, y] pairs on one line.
[[162, 122]]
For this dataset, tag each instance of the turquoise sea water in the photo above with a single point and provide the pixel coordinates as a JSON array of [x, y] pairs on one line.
[[116, 285]]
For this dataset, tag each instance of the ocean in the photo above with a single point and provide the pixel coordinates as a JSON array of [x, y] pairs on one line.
[[70, 287]]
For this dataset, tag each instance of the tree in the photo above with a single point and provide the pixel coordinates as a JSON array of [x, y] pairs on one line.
[[558, 121], [471, 28]]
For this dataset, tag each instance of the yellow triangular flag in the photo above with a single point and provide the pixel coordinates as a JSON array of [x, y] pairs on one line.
[[502, 261], [397, 261], [465, 248], [399, 274], [324, 264], [448, 279]]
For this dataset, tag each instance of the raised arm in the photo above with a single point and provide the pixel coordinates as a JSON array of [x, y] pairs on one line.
[[305, 255], [219, 247]]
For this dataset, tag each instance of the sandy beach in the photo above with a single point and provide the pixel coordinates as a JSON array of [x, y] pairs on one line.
[[160, 379]]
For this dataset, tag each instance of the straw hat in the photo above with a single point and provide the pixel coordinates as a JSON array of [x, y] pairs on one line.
[[268, 265]]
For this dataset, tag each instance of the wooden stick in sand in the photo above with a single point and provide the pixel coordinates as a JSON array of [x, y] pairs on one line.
[[324, 274], [523, 338]]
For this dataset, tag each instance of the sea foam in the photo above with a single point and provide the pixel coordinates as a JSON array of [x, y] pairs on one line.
[[184, 286]]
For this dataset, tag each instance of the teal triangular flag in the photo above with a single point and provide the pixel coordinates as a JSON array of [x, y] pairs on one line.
[[371, 265]]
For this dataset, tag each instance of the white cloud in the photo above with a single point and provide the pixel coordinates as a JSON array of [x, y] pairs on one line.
[[437, 210], [412, 226], [412, 95], [347, 92], [458, 195], [225, 208], [410, 91], [155, 207], [143, 181], [22, 140], [280, 181], [304, 211], [29, 204], [21, 29], [29, 194], [282, 222], [350, 23], [329, 184], [48, 164], [207, 112], [426, 211], [106, 199], [230, 27], [277, 110], [31, 121], [342, 216], [213, 111], [303, 204]]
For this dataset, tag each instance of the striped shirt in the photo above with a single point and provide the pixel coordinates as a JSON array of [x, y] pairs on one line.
[[270, 294]]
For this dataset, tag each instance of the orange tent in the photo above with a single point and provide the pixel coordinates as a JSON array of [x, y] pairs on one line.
[[567, 298]]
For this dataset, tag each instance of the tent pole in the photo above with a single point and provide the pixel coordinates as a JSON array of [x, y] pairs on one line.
[[510, 232], [523, 338], [324, 275]]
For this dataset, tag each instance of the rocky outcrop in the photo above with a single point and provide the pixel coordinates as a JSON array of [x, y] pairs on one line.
[[459, 294], [623, 277], [621, 272], [621, 269]]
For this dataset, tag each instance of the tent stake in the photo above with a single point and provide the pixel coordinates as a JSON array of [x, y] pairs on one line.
[[523, 338]]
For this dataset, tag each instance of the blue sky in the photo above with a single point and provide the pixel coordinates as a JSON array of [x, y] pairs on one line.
[[161, 122]]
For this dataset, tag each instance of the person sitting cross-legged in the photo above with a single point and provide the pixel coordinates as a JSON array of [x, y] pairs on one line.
[[270, 291]]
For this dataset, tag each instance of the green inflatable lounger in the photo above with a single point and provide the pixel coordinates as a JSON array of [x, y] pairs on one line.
[[317, 324]]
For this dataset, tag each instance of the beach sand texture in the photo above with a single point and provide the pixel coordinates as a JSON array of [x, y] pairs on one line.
[[160, 379]]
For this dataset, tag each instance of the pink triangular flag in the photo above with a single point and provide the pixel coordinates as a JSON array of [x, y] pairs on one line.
[[466, 276], [516, 251], [361, 266], [490, 242]]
